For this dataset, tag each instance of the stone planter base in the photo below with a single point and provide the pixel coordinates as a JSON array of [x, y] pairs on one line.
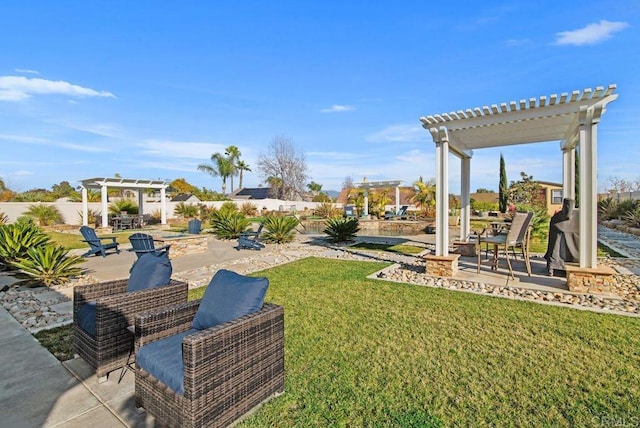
[[590, 280], [185, 244], [442, 265], [467, 249]]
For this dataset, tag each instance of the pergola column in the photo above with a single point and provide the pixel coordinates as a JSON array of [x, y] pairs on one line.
[[163, 206], [588, 142], [365, 209], [465, 198], [441, 138], [105, 208], [397, 199], [569, 173], [140, 201], [85, 206]]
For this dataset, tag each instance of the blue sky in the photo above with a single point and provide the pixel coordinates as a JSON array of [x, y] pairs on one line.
[[151, 89]]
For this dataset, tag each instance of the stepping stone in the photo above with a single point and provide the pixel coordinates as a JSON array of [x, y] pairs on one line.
[[64, 308]]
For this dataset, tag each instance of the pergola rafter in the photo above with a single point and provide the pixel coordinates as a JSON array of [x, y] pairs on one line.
[[570, 118]]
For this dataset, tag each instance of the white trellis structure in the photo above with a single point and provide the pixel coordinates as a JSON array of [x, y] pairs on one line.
[[366, 185], [103, 183], [571, 119]]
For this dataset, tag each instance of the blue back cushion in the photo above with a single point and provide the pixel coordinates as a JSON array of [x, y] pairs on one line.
[[229, 296], [151, 270], [86, 318], [163, 360]]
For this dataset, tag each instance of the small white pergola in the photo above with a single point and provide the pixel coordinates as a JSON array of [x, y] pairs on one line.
[[103, 183], [366, 185], [571, 119]]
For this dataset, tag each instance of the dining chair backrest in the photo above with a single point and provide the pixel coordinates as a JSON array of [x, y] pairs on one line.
[[518, 230]]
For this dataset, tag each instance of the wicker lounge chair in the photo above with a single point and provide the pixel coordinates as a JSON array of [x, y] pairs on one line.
[[95, 244], [224, 371], [102, 312]]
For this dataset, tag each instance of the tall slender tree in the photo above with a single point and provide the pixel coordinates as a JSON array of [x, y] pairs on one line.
[[242, 166], [233, 155], [220, 167], [503, 188]]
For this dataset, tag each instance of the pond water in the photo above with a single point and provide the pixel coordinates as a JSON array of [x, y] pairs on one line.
[[316, 228]]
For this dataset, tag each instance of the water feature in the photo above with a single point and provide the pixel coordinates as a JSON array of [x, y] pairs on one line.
[[371, 228]]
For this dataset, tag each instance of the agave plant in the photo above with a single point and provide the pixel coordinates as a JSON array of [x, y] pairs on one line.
[[17, 238], [49, 264], [249, 209], [229, 225], [46, 215], [279, 229], [123, 205], [229, 207], [186, 210], [607, 209], [342, 229]]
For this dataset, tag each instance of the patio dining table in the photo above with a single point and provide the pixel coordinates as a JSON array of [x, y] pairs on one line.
[[123, 222]]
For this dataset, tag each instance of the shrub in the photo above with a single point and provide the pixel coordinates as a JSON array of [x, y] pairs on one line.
[[279, 229], [632, 218], [625, 207], [123, 205], [206, 212], [249, 209], [327, 210], [91, 216], [229, 207], [17, 238], [155, 217], [49, 264], [229, 225], [186, 210], [46, 215], [607, 209], [342, 229], [3, 218]]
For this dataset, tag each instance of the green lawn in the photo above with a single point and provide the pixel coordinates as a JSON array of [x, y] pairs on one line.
[[397, 248], [369, 353], [362, 352], [72, 241]]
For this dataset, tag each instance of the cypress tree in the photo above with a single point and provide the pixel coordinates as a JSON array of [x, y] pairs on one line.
[[503, 189]]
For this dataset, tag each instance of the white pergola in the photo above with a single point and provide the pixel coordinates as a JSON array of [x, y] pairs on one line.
[[366, 185], [571, 119], [103, 183]]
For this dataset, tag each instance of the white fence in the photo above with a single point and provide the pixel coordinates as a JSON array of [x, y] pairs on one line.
[[72, 211]]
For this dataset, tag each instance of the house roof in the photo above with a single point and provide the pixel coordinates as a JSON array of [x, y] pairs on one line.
[[251, 193], [182, 197]]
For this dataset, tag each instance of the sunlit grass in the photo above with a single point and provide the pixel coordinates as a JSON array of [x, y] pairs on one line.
[[397, 248]]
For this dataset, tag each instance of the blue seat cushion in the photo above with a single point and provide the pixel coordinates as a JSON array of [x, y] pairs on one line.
[[163, 360], [151, 270], [229, 296], [86, 318]]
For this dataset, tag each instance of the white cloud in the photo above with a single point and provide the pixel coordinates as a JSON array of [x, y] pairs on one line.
[[83, 148], [23, 173], [336, 108], [23, 139], [182, 149], [25, 71], [17, 88], [401, 134], [591, 34], [517, 42]]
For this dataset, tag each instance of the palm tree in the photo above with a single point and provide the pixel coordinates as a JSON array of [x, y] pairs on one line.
[[233, 155], [242, 166], [274, 183], [221, 167], [425, 194], [314, 187]]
